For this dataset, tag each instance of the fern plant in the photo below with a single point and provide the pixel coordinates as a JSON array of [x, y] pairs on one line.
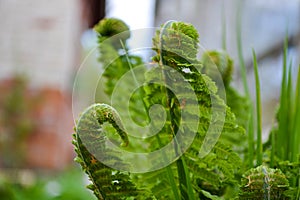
[[264, 183], [219, 63], [198, 123]]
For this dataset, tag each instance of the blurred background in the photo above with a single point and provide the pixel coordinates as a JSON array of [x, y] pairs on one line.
[[44, 43]]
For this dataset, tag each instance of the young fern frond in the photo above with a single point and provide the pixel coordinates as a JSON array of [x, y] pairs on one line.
[[112, 38], [109, 27], [218, 65], [113, 35], [91, 144], [178, 51], [101, 121]]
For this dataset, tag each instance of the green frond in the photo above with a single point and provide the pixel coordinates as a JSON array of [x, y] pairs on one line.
[[121, 70], [239, 105], [158, 182], [112, 37], [178, 51], [177, 45], [113, 29], [210, 196], [218, 64], [91, 144]]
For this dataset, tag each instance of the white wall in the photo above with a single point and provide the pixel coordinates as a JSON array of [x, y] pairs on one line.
[[41, 39]]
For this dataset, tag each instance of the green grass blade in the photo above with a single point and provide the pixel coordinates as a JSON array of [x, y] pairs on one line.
[[243, 71], [281, 139], [240, 48], [273, 149], [251, 138], [296, 124], [224, 35], [259, 150], [290, 114]]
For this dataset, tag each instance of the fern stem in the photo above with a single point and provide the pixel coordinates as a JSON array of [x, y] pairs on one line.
[[169, 170], [183, 173], [259, 150], [171, 176], [137, 84], [129, 63]]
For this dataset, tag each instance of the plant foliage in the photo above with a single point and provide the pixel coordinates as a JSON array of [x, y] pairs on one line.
[[206, 167], [182, 100]]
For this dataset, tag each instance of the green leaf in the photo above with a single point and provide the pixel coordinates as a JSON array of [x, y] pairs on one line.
[[210, 196]]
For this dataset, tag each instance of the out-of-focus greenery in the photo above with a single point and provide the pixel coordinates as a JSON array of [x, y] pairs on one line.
[[65, 185], [16, 122]]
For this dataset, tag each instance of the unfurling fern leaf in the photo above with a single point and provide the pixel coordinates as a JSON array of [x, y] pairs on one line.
[[113, 35], [218, 64], [219, 67], [100, 122], [90, 141], [109, 27], [176, 45]]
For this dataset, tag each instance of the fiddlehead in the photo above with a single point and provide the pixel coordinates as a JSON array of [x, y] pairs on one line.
[[102, 113], [96, 153], [215, 63], [116, 62], [109, 27], [112, 43], [176, 45], [91, 144]]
